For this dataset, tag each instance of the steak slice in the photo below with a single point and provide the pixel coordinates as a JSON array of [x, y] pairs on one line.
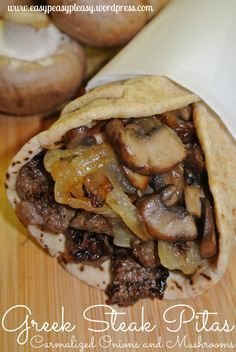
[[91, 222], [131, 281], [146, 253], [35, 187], [33, 180], [84, 246]]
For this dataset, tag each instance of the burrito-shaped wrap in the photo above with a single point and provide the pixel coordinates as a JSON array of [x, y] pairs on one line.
[[133, 190]]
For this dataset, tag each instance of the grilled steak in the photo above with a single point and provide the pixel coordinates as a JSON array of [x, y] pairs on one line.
[[35, 188], [131, 281], [33, 180], [91, 222], [84, 246]]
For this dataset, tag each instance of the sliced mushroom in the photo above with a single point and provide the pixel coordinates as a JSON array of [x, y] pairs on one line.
[[75, 136], [78, 136], [148, 154], [145, 124], [169, 195], [192, 196], [179, 255], [137, 180], [163, 223], [174, 177], [208, 246], [148, 190]]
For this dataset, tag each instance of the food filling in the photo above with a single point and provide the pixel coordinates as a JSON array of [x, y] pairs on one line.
[[134, 191]]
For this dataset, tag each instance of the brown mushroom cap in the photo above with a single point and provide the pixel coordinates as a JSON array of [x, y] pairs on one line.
[[77, 136], [148, 154], [40, 86], [164, 223], [101, 28], [173, 177]]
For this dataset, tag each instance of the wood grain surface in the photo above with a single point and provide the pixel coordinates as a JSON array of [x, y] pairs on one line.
[[30, 277]]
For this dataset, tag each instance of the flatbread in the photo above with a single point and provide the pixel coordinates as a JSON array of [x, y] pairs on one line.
[[142, 97]]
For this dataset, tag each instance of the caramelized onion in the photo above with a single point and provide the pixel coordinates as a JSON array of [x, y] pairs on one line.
[[115, 174], [69, 169], [97, 187], [182, 255], [121, 204], [54, 155], [63, 196]]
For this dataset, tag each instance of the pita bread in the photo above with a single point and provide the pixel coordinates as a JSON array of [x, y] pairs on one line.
[[142, 97]]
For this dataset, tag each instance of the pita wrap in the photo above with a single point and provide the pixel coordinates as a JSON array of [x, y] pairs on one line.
[[144, 97]]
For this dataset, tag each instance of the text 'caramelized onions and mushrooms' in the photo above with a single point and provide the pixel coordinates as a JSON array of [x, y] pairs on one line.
[[134, 191]]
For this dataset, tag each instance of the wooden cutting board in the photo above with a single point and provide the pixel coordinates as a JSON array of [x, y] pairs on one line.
[[32, 278]]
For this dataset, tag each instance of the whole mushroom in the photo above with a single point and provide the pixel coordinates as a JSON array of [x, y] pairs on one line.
[[40, 68], [104, 28]]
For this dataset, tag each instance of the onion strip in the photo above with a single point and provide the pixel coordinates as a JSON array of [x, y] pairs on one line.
[[121, 204]]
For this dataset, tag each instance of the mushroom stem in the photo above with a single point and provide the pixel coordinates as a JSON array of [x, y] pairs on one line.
[[208, 246]]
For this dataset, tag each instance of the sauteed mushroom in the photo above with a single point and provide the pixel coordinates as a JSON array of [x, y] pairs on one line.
[[169, 195], [77, 136], [148, 154], [173, 177], [166, 223], [192, 196], [137, 180], [208, 247]]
